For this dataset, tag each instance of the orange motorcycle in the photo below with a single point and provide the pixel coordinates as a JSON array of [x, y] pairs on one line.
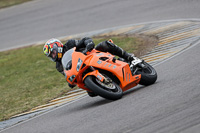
[[102, 74]]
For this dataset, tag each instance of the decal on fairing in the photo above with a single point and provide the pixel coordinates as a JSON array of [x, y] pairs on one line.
[[100, 54], [99, 61], [105, 64], [99, 77]]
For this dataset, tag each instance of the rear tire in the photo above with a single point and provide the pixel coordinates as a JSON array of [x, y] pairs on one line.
[[148, 75], [95, 86]]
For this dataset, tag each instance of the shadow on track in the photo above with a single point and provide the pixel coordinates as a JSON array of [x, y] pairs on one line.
[[99, 102]]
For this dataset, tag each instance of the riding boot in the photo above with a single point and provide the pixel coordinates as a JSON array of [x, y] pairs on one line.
[[114, 49], [128, 56]]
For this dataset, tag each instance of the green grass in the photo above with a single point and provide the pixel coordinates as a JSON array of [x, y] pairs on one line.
[[28, 78], [7, 3], [129, 44]]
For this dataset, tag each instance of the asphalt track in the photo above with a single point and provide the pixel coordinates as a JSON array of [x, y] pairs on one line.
[[170, 105], [40, 20]]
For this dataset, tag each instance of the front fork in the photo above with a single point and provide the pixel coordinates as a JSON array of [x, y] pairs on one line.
[[98, 75]]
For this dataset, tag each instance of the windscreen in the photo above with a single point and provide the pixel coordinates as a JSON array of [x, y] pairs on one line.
[[67, 57]]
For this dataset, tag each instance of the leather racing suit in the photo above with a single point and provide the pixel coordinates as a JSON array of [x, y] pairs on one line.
[[87, 44]]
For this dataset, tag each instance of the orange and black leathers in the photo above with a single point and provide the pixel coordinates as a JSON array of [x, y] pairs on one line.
[[85, 43], [107, 46]]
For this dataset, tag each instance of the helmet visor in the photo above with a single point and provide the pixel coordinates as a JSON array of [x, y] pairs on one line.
[[53, 55]]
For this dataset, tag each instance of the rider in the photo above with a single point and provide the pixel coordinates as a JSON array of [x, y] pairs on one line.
[[54, 49]]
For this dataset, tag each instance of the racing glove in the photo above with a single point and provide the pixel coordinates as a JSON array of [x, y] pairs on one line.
[[89, 45]]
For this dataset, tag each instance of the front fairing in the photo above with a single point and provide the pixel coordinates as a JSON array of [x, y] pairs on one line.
[[76, 59], [98, 60]]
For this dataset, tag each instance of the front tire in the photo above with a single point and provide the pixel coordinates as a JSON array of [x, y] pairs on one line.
[[148, 75], [114, 93]]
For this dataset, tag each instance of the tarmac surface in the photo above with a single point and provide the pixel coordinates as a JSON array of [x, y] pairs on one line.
[[41, 20]]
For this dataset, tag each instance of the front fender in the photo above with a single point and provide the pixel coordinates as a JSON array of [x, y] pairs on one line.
[[96, 74]]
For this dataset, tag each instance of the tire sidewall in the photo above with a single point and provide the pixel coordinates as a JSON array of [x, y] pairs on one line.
[[89, 82], [148, 78]]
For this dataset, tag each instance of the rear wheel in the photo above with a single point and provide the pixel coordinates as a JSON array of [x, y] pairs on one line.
[[110, 90], [148, 75]]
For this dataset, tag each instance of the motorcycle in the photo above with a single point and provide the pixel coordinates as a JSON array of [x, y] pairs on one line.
[[100, 73]]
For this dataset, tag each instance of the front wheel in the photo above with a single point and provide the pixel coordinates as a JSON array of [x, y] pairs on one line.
[[110, 91], [148, 75]]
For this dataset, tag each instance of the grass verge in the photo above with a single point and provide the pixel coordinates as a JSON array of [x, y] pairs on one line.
[[29, 79], [7, 3]]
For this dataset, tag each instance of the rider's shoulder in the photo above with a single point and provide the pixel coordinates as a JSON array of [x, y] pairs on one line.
[[70, 44]]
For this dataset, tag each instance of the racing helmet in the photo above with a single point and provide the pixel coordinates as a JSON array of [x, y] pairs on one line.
[[53, 49]]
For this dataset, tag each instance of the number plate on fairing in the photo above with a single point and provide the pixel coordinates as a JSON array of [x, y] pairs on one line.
[[136, 61]]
